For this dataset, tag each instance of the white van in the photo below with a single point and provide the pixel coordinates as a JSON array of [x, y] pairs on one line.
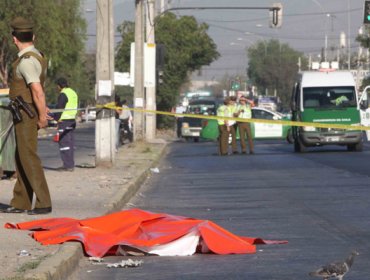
[[328, 97]]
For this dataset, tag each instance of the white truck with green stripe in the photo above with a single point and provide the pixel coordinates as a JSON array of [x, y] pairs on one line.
[[328, 97]]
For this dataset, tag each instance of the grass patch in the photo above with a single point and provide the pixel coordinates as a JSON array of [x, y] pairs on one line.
[[26, 267], [29, 265]]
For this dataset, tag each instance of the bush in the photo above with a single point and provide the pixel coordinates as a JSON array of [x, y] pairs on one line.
[[164, 122]]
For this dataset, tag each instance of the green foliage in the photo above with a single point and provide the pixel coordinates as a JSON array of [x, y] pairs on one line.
[[122, 59], [125, 92], [187, 48], [165, 122], [273, 65], [364, 38], [59, 33]]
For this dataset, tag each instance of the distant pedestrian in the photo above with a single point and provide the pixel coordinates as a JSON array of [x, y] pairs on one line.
[[180, 109], [126, 120], [117, 112], [27, 84], [244, 111], [67, 100]]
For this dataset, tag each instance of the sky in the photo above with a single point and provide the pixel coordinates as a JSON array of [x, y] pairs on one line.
[[308, 26]]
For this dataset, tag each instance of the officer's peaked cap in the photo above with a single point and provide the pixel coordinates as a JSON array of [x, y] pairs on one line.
[[21, 24]]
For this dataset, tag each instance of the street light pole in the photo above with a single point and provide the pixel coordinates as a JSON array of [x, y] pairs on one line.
[[349, 34]]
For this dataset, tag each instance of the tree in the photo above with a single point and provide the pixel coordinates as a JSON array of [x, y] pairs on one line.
[[60, 34], [274, 66], [187, 48]]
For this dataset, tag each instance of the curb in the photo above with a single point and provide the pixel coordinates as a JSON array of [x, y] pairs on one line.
[[60, 265]]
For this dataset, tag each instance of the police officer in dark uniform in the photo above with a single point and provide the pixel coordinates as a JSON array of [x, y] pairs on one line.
[[67, 100], [27, 81]]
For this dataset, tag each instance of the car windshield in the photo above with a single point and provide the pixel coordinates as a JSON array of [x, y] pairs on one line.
[[329, 97], [203, 109], [262, 114]]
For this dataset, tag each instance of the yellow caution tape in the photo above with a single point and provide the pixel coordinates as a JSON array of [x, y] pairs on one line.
[[112, 106]]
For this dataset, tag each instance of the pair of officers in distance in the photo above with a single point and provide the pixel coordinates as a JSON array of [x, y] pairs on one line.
[[241, 108]]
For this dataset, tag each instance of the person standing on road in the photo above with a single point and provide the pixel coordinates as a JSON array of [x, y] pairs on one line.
[[67, 100], [180, 109], [232, 110], [27, 81], [223, 138], [244, 111], [226, 127]]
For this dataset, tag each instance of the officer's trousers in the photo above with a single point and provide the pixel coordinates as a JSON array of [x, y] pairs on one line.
[[30, 174], [66, 142], [224, 133], [245, 129]]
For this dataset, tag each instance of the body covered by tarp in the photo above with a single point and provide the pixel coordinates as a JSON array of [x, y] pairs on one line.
[[152, 233]]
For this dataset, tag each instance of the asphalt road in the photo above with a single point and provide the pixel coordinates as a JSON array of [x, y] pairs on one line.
[[319, 201], [84, 147]]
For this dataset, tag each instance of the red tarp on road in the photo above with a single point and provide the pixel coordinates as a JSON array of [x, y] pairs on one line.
[[153, 233]]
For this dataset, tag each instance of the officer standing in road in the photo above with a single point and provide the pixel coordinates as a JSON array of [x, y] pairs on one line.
[[244, 111], [226, 127], [27, 82], [223, 138], [232, 107], [67, 100]]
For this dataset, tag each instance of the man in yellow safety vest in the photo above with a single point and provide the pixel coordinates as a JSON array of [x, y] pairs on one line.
[[67, 100]]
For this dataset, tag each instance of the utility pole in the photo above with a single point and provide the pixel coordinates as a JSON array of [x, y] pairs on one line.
[[349, 34], [139, 71], [105, 122], [162, 8], [150, 99]]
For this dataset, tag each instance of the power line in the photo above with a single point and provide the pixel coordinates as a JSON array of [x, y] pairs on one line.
[[285, 15], [271, 36]]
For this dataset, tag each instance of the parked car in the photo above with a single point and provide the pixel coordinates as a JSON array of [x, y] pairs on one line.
[[191, 127], [90, 116], [259, 130]]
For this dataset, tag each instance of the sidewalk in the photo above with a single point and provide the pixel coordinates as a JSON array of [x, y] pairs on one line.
[[86, 192]]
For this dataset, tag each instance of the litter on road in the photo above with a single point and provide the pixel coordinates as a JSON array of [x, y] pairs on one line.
[[125, 263], [23, 253]]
